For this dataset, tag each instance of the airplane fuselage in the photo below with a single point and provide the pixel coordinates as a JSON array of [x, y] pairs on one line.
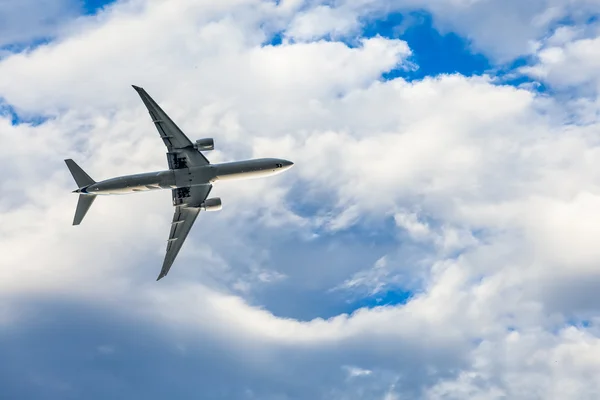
[[190, 177], [185, 177]]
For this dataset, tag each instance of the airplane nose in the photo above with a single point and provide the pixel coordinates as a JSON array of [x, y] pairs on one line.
[[287, 164]]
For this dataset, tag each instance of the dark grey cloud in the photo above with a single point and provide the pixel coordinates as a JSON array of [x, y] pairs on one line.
[[68, 351]]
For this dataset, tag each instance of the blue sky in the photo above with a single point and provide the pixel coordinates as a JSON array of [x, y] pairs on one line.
[[433, 229], [433, 52], [92, 6]]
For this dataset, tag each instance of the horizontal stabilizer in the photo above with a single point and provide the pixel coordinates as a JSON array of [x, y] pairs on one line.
[[83, 205], [81, 178]]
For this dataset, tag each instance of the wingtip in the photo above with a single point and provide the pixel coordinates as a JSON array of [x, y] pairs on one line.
[[160, 277], [136, 88]]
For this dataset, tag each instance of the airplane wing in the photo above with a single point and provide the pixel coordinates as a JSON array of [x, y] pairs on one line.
[[187, 203], [181, 151]]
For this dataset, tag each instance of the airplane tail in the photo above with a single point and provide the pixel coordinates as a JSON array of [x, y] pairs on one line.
[[85, 200], [81, 178], [83, 205]]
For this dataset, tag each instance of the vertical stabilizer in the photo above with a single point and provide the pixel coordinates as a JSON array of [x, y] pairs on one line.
[[81, 178], [83, 205]]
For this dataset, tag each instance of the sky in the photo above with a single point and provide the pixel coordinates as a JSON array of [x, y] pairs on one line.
[[436, 239]]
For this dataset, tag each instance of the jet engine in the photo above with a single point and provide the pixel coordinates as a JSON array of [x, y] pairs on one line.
[[205, 144], [213, 204]]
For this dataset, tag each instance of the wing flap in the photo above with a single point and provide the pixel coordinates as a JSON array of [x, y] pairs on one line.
[[173, 137], [81, 178], [185, 218], [187, 208], [175, 140], [83, 205]]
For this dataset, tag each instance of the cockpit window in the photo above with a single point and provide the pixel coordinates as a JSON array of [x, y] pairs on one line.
[[279, 165]]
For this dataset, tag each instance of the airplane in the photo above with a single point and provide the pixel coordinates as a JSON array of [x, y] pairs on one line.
[[190, 178]]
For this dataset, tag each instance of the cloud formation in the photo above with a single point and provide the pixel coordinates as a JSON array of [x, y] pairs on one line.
[[476, 197], [27, 20]]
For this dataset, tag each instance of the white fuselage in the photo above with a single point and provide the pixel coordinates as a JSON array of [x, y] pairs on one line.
[[185, 177]]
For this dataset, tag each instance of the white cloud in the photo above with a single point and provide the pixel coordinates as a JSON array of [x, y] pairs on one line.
[[373, 279], [354, 372], [571, 64], [322, 21], [558, 363], [413, 226], [501, 29], [492, 177]]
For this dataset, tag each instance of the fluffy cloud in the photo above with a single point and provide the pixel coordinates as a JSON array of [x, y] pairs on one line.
[[558, 363], [569, 64], [485, 195], [500, 29]]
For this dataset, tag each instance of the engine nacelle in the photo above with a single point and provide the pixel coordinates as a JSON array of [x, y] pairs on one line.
[[213, 204], [205, 144]]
